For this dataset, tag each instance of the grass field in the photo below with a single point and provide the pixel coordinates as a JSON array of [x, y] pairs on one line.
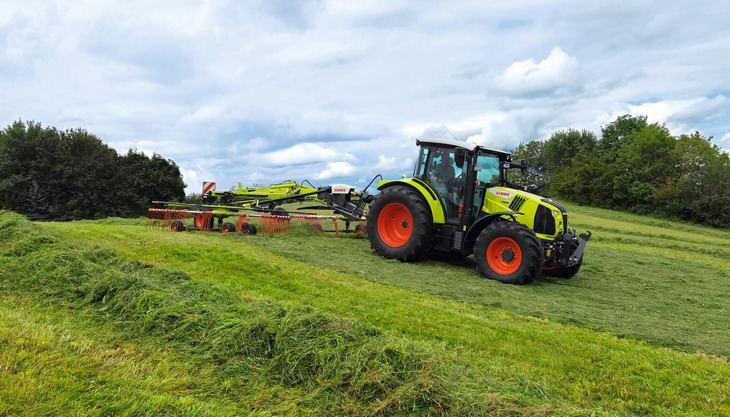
[[108, 317]]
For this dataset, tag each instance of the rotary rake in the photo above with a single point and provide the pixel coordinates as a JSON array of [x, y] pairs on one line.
[[258, 209]]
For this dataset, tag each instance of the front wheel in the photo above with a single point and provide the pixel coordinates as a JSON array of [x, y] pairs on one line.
[[400, 225], [508, 252]]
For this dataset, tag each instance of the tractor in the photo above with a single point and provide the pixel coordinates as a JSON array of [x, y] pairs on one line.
[[460, 202]]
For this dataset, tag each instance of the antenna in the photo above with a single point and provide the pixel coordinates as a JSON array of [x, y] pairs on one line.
[[452, 135]]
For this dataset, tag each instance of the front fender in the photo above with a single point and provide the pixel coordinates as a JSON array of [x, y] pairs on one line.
[[481, 224]]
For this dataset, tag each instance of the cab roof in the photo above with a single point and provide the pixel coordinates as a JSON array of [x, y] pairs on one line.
[[469, 146]]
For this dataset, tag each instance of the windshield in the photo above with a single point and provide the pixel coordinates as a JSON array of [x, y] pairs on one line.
[[487, 169]]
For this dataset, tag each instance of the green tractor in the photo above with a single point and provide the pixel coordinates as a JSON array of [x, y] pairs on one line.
[[460, 202]]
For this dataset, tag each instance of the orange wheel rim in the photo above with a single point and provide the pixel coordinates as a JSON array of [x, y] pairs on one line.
[[395, 225], [199, 220], [504, 256]]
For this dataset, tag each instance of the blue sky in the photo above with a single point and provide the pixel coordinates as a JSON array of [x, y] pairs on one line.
[[337, 91]]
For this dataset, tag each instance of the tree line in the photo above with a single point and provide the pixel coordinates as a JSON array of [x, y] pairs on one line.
[[48, 174], [634, 166]]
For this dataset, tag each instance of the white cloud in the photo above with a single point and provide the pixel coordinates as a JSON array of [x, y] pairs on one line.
[[724, 142], [301, 153], [693, 110], [557, 70], [193, 175], [385, 163], [336, 170]]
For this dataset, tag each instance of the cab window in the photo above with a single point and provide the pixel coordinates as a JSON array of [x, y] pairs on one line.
[[488, 169]]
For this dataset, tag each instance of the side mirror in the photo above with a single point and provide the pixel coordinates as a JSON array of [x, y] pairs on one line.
[[459, 157]]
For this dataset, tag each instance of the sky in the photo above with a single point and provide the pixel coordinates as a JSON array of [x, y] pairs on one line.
[[260, 92]]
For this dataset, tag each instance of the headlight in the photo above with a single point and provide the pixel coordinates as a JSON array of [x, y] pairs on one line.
[[556, 213]]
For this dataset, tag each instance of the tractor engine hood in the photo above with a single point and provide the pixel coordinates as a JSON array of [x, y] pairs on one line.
[[546, 217]]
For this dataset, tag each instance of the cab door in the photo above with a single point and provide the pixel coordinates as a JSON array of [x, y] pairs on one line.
[[446, 173], [487, 175]]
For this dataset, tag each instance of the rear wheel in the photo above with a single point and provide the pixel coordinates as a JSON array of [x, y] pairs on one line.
[[228, 228], [508, 252], [400, 224]]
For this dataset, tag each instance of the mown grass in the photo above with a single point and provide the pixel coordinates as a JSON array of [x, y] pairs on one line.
[[515, 362], [262, 356], [655, 280]]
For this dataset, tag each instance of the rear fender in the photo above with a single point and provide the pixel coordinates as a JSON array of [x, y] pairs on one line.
[[437, 212]]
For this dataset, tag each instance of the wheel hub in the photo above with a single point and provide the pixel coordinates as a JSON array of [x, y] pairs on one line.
[[404, 224], [508, 255]]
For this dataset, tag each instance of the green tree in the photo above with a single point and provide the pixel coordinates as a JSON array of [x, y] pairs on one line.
[[634, 166], [587, 180], [37, 205], [146, 179], [536, 178], [705, 194], [70, 175], [564, 145], [28, 153], [617, 134], [88, 176], [646, 160], [692, 154]]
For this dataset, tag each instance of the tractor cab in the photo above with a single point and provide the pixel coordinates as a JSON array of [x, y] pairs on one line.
[[460, 174]]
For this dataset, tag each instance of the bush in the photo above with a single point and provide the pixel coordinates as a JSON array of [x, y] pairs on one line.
[[71, 175]]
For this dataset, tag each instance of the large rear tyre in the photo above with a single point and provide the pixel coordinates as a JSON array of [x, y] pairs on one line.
[[508, 252], [400, 225]]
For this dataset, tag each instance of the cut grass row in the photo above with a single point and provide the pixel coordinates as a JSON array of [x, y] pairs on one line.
[[74, 321], [528, 363], [654, 280], [650, 279]]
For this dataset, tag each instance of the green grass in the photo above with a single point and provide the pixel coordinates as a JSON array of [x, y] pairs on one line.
[[474, 346], [317, 360], [648, 279], [655, 280]]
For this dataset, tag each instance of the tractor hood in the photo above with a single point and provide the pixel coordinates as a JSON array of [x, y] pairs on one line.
[[546, 217]]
